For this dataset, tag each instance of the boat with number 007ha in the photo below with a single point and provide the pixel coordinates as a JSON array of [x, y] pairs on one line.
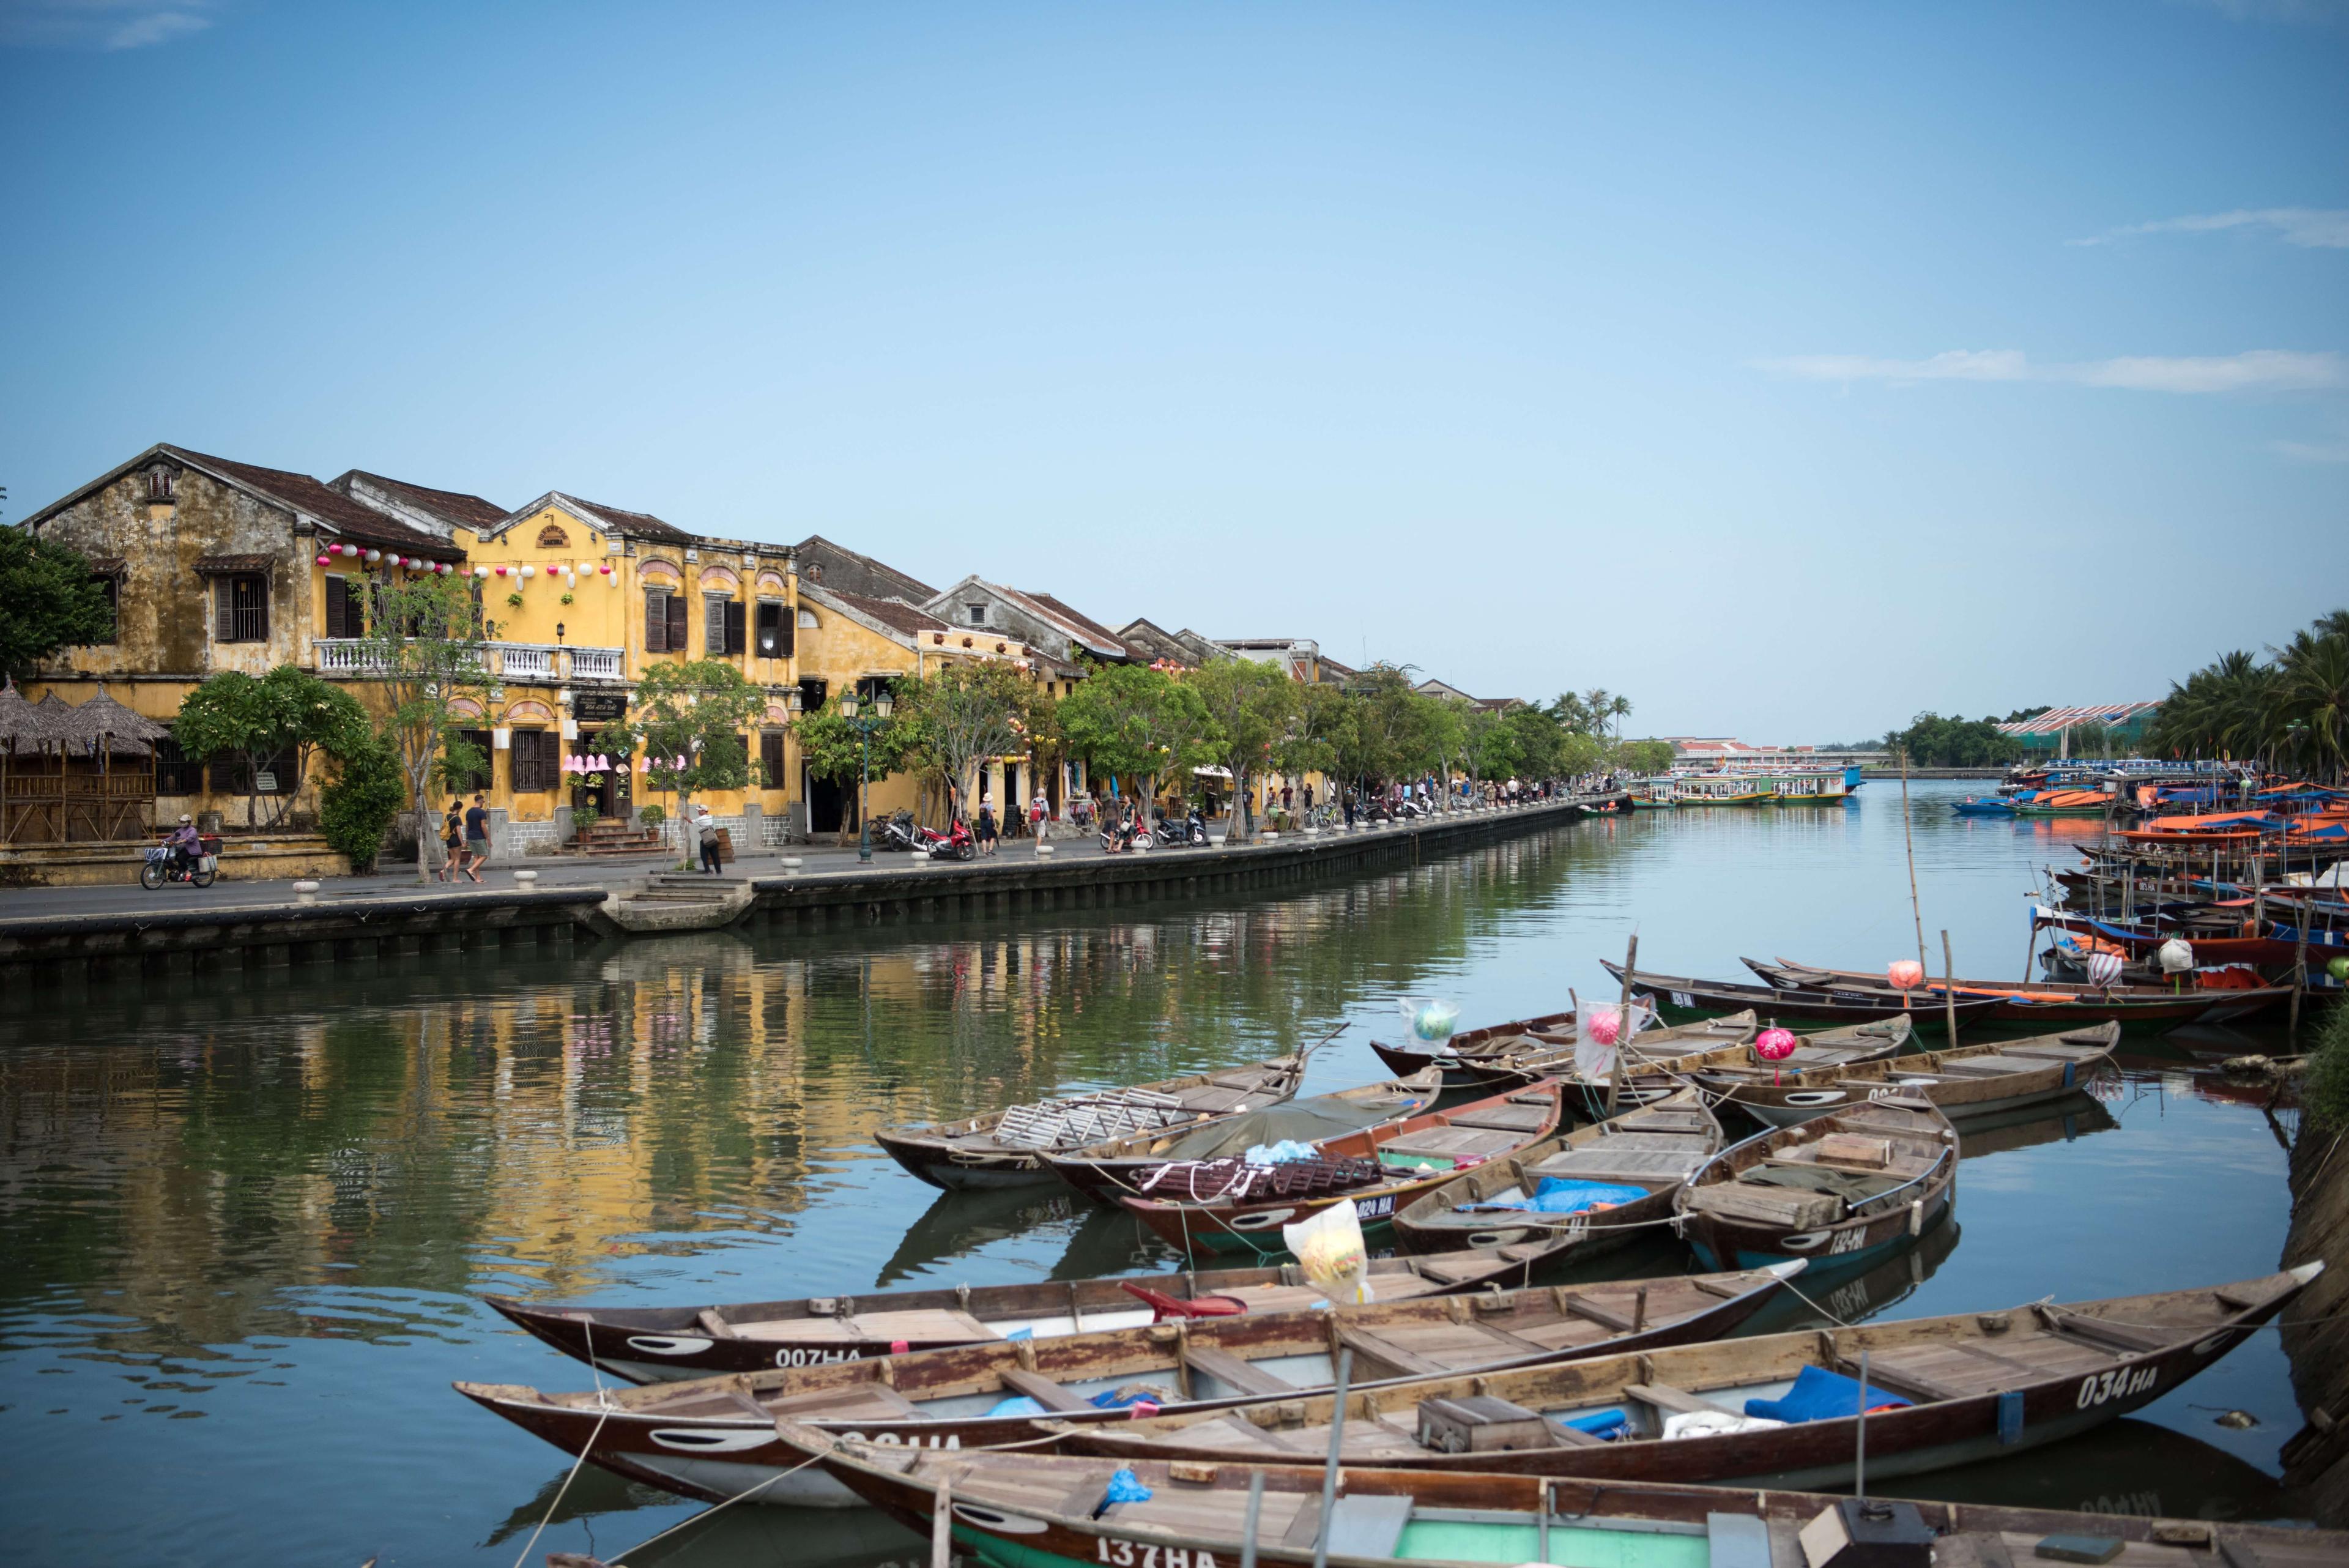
[[714, 1437], [655, 1344], [1779, 1409], [1845, 1187], [1041, 1510], [1970, 1081], [2044, 1002], [1578, 1194]]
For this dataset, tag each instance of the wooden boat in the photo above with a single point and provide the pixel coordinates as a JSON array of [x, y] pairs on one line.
[[2042, 1002], [1043, 1511], [1650, 1150], [1226, 1207], [1971, 1081], [715, 1437], [1970, 1386], [1678, 998], [1108, 1172], [654, 1344], [1502, 1055], [1001, 1149], [1845, 1186], [1721, 789]]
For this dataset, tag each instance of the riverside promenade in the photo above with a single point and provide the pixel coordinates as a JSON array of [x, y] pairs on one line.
[[117, 934]]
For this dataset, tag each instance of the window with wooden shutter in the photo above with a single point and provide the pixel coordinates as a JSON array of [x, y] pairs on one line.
[[771, 758], [735, 640], [534, 763], [774, 631], [717, 625], [241, 608], [339, 608], [676, 623], [656, 620]]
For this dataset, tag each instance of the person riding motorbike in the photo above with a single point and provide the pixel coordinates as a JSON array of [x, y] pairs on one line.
[[186, 844]]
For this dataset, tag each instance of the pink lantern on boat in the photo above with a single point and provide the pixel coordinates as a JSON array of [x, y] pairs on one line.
[[1603, 1026], [1905, 974], [1774, 1044]]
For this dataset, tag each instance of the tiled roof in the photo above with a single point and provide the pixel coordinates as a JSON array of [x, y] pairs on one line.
[[222, 565], [345, 517], [1088, 630], [815, 548], [889, 612], [638, 524], [453, 504]]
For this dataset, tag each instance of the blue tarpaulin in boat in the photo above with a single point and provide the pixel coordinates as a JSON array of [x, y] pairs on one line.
[[1819, 1395]]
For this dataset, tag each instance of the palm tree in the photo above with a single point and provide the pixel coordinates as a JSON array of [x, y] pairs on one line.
[[1618, 709]]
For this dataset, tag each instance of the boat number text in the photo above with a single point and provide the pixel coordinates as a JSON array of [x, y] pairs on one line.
[[1850, 1240], [891, 1439], [1683, 999], [1125, 1555], [1370, 1208], [2118, 1383], [788, 1358]]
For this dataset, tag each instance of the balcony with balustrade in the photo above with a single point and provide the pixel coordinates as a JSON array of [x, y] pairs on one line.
[[523, 663]]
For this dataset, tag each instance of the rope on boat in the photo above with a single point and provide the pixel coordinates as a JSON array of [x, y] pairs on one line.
[[602, 1414]]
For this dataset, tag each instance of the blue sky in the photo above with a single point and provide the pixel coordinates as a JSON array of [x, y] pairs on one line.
[[1789, 368]]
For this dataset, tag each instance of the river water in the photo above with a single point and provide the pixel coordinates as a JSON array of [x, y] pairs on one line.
[[243, 1223]]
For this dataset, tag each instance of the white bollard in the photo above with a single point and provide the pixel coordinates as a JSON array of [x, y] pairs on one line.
[[525, 878], [919, 857], [791, 864], [1043, 847], [306, 892], [1268, 836]]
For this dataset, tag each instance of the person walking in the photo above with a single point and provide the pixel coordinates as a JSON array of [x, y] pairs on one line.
[[987, 834], [1039, 817], [452, 840], [707, 827], [1346, 803], [477, 837]]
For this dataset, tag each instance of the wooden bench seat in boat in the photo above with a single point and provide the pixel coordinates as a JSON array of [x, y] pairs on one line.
[[1661, 1121], [1606, 1316], [1455, 1143], [1043, 1390], [864, 1402], [2129, 1339], [1212, 1102], [1404, 1361], [1607, 1164], [1234, 1372], [1998, 1067], [1786, 1207], [1449, 1346], [1673, 1401], [1508, 1118], [871, 1327], [1290, 1298]]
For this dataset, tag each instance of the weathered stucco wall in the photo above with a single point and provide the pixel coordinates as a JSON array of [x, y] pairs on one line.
[[165, 622]]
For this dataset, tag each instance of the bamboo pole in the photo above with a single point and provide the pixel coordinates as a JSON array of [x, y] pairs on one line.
[[1950, 988], [942, 1526], [1908, 837], [2299, 963], [1622, 1027], [1329, 1470]]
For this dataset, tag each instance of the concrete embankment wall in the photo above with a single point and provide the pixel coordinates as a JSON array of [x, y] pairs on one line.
[[164, 943]]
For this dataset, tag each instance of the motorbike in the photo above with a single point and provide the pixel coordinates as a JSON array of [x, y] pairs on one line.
[[1177, 832], [163, 864], [1116, 835], [955, 844], [897, 834]]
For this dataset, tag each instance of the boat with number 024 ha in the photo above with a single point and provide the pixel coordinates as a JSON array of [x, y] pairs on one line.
[[1781, 1410], [714, 1437], [1845, 1187], [1038, 1510]]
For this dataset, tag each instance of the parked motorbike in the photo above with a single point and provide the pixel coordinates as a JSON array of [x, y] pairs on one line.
[[1116, 835], [897, 834], [955, 845], [164, 865]]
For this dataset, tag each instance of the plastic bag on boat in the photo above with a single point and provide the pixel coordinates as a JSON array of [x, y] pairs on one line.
[[1022, 1405], [1561, 1195], [2104, 968], [1330, 1248], [1713, 1424], [2174, 956], [1124, 1486], [1286, 1151], [1430, 1018]]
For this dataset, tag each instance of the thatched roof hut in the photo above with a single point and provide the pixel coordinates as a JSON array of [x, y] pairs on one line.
[[32, 726], [101, 723]]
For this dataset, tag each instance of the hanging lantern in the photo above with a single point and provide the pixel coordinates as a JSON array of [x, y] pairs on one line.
[[443, 569], [1774, 1044], [373, 556], [2339, 969], [2104, 969], [482, 572], [1603, 1026], [606, 569], [1905, 974], [501, 571], [530, 571], [322, 560], [2174, 956]]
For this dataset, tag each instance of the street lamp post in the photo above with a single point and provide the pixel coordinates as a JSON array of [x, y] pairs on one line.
[[881, 705]]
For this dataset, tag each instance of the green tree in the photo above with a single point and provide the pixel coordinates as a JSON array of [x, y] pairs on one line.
[[1320, 732], [1135, 724], [1934, 741], [53, 601], [1386, 722], [422, 652], [688, 720], [1644, 759], [964, 713], [838, 753], [360, 803], [1248, 706], [271, 724]]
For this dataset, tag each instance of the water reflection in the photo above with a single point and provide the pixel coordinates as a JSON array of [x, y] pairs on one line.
[[255, 1210]]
